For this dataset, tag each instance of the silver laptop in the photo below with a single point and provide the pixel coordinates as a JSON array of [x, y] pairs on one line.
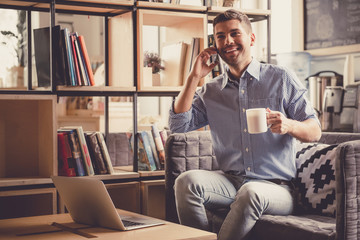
[[88, 202]]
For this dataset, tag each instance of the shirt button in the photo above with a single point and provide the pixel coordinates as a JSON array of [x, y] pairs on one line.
[[246, 149], [242, 91], [251, 78], [245, 130], [244, 110], [248, 168]]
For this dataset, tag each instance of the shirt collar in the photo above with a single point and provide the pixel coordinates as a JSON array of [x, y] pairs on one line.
[[253, 69]]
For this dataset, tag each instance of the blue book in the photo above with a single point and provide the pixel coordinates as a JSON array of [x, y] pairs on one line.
[[70, 57], [147, 147], [153, 149], [74, 143]]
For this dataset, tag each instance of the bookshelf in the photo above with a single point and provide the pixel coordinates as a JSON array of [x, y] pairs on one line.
[[28, 115]]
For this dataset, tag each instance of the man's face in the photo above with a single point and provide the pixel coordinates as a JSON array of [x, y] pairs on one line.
[[233, 41]]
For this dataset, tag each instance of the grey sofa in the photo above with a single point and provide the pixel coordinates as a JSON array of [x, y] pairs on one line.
[[193, 150]]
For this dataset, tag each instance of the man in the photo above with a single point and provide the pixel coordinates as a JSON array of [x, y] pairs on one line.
[[256, 168]]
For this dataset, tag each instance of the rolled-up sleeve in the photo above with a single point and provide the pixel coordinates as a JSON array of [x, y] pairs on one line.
[[190, 120]]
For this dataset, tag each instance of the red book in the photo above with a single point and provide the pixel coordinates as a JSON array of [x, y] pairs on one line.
[[65, 161], [77, 70], [87, 59]]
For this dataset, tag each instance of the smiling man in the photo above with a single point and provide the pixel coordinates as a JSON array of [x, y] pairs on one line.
[[256, 169]]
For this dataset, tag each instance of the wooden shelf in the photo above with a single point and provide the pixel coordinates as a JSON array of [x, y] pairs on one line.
[[153, 198], [94, 89], [152, 173], [12, 182], [349, 49], [98, 6], [27, 136], [177, 27], [254, 14], [170, 6], [30, 202]]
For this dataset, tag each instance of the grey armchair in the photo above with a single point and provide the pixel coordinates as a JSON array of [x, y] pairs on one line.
[[193, 150]]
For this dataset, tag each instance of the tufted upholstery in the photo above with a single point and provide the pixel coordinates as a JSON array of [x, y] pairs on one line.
[[193, 150]]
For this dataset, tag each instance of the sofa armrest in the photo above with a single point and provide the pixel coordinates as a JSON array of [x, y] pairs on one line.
[[185, 151], [347, 190]]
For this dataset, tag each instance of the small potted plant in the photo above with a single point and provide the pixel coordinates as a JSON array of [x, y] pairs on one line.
[[152, 65], [13, 44]]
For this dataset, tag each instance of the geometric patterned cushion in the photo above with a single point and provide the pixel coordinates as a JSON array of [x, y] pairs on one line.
[[315, 180]]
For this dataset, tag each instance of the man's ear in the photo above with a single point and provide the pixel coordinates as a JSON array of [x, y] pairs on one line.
[[252, 38]]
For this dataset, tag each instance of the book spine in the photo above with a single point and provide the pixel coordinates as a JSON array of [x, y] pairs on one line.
[[58, 56], [85, 152], [97, 157], [159, 145], [65, 57], [65, 162], [153, 150], [105, 152], [70, 56], [164, 136], [76, 153], [86, 60], [147, 147], [76, 64], [84, 79], [143, 161]]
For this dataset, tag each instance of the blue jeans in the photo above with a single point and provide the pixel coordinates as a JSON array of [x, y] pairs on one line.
[[197, 190]]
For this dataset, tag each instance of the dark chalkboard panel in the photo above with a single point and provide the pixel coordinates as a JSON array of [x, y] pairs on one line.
[[331, 23]]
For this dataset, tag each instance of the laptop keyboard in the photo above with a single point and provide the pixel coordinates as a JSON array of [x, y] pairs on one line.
[[131, 223]]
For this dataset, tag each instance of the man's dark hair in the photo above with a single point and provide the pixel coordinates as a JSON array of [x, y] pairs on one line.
[[233, 14]]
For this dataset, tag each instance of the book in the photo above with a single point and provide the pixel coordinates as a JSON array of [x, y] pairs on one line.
[[85, 155], [146, 143], [105, 152], [66, 164], [195, 50], [173, 56], [95, 152], [159, 145], [75, 150], [42, 56], [65, 62], [83, 72], [86, 60], [164, 136], [153, 149], [76, 63], [70, 57], [143, 161], [187, 61]]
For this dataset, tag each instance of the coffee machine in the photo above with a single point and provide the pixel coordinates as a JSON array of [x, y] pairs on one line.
[[341, 109]]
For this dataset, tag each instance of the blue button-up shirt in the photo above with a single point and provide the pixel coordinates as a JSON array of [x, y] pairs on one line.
[[221, 103]]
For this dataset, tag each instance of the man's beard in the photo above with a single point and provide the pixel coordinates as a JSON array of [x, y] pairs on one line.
[[231, 61]]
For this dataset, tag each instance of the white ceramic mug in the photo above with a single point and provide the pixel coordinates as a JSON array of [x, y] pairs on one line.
[[256, 120]]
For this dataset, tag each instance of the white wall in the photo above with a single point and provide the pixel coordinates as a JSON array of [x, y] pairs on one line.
[[288, 34]]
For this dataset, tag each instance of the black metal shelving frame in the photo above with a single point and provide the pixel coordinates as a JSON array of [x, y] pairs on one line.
[[57, 6]]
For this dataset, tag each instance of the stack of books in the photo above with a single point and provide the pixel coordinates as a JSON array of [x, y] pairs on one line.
[[82, 153], [72, 63], [151, 153]]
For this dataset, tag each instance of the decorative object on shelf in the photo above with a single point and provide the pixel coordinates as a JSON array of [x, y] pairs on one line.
[[232, 3], [12, 48], [152, 67], [217, 3]]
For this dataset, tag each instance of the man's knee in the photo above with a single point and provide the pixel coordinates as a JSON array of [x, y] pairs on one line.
[[249, 196], [187, 182]]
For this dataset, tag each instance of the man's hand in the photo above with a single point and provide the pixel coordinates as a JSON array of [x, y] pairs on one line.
[[278, 122], [201, 68], [305, 131]]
